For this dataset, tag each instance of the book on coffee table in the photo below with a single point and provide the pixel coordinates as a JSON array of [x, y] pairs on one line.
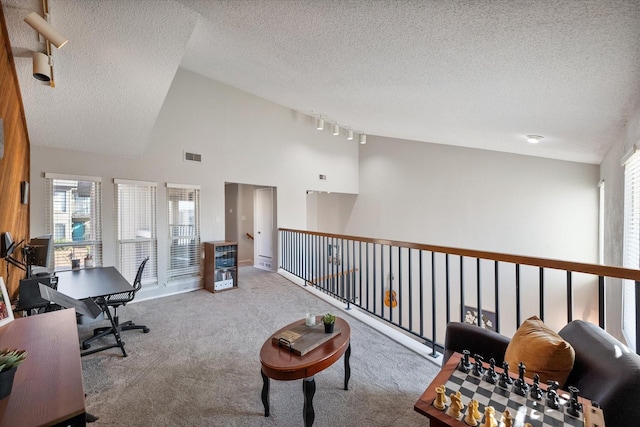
[[302, 339]]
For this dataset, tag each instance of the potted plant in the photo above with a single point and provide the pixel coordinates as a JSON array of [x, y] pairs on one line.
[[329, 321], [10, 358]]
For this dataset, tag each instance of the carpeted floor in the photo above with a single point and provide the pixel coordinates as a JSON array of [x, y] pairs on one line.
[[200, 365]]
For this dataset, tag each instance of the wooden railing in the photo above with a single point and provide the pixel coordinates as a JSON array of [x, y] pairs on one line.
[[419, 288]]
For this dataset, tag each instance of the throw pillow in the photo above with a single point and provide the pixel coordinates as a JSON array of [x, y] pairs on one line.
[[542, 351]]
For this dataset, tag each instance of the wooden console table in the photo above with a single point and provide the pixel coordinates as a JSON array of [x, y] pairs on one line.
[[47, 389]]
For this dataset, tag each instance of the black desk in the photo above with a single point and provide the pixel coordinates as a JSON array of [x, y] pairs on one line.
[[95, 283]]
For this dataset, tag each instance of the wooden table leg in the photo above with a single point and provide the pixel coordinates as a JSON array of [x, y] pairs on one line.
[[309, 389], [265, 393], [347, 367]]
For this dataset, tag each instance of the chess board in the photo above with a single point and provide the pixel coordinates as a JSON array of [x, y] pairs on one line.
[[523, 409]]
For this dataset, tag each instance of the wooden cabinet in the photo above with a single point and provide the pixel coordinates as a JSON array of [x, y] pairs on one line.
[[220, 266]]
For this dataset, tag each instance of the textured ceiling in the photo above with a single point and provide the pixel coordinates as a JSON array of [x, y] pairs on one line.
[[469, 73]]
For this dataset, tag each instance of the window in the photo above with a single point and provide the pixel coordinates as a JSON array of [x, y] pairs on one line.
[[183, 227], [136, 235], [74, 214], [631, 244]]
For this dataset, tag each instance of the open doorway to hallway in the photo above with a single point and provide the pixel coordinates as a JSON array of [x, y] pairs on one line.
[[250, 220]]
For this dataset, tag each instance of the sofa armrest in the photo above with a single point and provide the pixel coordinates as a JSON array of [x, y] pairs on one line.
[[486, 343]]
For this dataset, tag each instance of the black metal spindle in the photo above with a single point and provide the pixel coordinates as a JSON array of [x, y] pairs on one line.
[[433, 304], [517, 296], [541, 286], [399, 286], [569, 297], [461, 289], [421, 273], [410, 284], [601, 302], [374, 286], [389, 293], [496, 294], [479, 292]]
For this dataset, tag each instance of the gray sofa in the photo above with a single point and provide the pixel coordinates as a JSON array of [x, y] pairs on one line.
[[603, 371]]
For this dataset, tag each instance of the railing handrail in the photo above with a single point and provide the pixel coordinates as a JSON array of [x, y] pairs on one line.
[[580, 267]]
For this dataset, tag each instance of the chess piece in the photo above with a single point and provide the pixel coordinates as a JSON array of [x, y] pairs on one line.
[[527, 425], [505, 372], [536, 391], [520, 386], [474, 407], [552, 394], [574, 407], [465, 365], [441, 398], [507, 419], [489, 417], [478, 370], [456, 405], [491, 375], [470, 418]]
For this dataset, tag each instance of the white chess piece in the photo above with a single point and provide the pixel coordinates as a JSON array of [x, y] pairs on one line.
[[489, 417], [507, 419], [441, 398], [456, 405]]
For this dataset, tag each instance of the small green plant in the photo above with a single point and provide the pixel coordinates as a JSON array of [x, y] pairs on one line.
[[11, 357], [328, 319]]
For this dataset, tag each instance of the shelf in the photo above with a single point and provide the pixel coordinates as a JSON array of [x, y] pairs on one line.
[[220, 266]]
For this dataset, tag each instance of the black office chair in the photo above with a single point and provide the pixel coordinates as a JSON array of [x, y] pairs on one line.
[[116, 301]]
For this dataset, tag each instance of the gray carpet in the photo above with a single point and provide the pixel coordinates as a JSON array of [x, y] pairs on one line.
[[200, 365]]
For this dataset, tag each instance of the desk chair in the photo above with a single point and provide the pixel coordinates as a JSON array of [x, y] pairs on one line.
[[115, 301]]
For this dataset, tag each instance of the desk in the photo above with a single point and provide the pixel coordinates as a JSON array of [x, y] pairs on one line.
[[47, 389], [96, 283], [281, 364]]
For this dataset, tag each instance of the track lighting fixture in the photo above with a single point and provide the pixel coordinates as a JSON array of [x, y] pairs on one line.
[[43, 27], [363, 138], [350, 134], [534, 139], [320, 123], [41, 67], [336, 129]]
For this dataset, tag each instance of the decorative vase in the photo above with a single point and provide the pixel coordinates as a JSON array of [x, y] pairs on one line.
[[6, 382], [328, 327]]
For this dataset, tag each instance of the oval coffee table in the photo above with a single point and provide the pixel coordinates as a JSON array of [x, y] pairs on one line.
[[280, 363]]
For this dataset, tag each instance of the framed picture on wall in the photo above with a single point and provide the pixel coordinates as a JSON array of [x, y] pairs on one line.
[[488, 317], [6, 314]]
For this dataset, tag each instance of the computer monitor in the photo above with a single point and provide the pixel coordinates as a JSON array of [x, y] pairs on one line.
[[40, 249]]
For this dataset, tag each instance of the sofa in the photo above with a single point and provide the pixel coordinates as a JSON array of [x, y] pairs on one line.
[[604, 370]]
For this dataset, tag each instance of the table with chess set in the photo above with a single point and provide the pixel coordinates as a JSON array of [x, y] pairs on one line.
[[470, 392]]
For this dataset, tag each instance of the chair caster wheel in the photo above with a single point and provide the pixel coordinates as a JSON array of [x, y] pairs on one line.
[[146, 330], [86, 346]]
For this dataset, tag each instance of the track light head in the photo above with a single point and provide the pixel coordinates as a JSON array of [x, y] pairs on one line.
[[336, 129], [39, 24], [320, 123], [350, 135], [41, 67], [363, 138]]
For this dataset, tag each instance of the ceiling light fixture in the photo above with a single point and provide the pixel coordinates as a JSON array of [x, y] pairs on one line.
[[534, 139], [336, 129], [350, 135], [41, 67], [320, 123], [43, 27], [363, 138]]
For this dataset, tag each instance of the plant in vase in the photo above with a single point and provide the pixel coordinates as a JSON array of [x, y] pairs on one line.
[[10, 358], [329, 321]]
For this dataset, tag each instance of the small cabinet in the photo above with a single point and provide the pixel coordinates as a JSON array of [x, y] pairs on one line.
[[220, 266]]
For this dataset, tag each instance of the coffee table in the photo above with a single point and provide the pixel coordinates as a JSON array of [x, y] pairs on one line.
[[279, 363]]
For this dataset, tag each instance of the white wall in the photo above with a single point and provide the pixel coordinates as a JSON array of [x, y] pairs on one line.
[[242, 139], [476, 199], [612, 172]]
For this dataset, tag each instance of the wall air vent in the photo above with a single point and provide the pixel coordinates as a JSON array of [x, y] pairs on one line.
[[192, 157]]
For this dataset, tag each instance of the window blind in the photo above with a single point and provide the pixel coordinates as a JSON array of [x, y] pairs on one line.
[[631, 244], [183, 228], [136, 231], [74, 218]]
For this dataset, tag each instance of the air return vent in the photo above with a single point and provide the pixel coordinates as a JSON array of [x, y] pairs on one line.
[[193, 157]]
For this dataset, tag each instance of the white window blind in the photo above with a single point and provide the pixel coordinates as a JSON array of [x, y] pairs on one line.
[[136, 231], [74, 218], [631, 244], [183, 227]]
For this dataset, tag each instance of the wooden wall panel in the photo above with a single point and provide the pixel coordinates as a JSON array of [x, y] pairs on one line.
[[15, 164]]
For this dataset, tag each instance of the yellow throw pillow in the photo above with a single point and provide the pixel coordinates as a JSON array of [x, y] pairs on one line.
[[542, 351]]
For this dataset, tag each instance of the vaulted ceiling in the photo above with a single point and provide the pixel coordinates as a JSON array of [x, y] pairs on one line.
[[469, 73]]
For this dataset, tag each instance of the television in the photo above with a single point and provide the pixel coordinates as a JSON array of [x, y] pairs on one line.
[[39, 251]]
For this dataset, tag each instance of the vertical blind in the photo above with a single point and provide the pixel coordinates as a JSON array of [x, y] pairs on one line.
[[136, 232], [631, 244], [183, 228], [74, 219]]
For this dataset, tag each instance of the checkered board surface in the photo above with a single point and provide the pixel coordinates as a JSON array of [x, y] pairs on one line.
[[522, 409]]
